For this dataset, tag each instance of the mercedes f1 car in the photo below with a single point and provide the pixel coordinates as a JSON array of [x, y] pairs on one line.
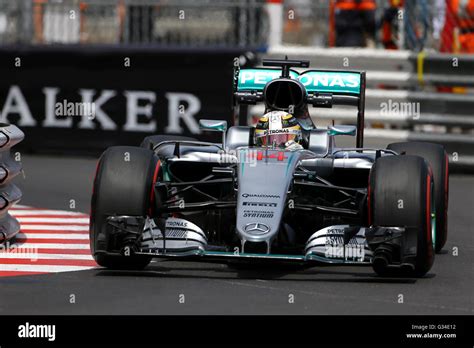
[[238, 201]]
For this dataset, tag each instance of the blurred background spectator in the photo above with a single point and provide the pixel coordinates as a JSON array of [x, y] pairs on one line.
[[438, 25], [355, 22]]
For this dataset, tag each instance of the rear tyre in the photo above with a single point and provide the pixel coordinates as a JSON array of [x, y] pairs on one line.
[[122, 186], [438, 160], [150, 141], [401, 194]]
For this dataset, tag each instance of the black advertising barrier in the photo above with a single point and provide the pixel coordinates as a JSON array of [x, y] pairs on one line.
[[84, 99]]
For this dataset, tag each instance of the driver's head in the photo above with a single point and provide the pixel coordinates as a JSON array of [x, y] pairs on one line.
[[280, 126]]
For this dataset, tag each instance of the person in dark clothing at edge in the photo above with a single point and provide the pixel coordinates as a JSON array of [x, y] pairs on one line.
[[355, 23]]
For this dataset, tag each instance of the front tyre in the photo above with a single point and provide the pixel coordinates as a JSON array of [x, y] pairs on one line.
[[123, 186], [436, 156], [401, 194]]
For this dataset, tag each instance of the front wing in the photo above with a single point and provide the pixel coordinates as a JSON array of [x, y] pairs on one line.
[[340, 244]]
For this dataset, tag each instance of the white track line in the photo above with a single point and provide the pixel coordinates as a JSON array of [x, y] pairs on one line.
[[32, 233], [54, 227], [53, 246], [55, 220], [42, 268], [39, 256], [53, 236], [22, 212]]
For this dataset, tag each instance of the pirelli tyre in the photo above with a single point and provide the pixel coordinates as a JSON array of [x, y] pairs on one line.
[[400, 193], [123, 185], [150, 141], [438, 160]]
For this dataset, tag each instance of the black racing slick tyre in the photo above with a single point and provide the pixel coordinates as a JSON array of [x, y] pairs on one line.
[[400, 194], [150, 141], [123, 186], [438, 160]]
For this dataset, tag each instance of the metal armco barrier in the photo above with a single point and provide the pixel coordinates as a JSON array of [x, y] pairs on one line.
[[444, 69], [10, 135], [402, 94]]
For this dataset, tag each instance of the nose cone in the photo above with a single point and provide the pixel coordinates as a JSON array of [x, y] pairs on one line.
[[263, 188]]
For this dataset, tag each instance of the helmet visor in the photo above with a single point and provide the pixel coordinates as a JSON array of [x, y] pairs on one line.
[[277, 140]]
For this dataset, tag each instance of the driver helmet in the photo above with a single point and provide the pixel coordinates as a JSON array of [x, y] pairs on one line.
[[277, 129]]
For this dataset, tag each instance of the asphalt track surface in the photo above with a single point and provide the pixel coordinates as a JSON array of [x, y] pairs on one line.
[[51, 182]]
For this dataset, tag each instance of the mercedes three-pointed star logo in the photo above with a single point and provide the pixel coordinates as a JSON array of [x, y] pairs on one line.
[[256, 228]]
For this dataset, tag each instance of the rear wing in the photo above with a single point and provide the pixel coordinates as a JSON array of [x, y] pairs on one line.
[[323, 88]]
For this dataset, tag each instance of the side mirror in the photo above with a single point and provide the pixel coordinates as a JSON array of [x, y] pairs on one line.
[[342, 130], [213, 125]]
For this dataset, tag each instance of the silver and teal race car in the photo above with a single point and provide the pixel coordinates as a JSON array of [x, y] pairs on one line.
[[233, 201]]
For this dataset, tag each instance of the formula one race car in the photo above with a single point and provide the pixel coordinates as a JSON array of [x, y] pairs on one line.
[[281, 191]]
